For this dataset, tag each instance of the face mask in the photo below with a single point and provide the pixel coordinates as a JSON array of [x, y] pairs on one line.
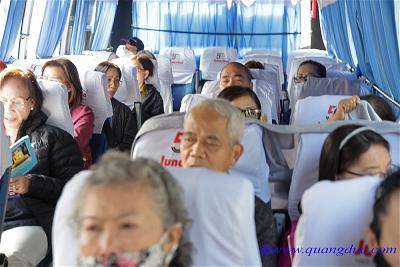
[[154, 256]]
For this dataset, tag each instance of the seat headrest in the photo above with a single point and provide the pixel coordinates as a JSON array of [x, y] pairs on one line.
[[267, 99], [96, 97], [128, 91], [165, 69], [5, 153], [213, 59], [208, 198], [183, 63], [270, 59], [190, 100], [59, 114], [325, 223], [304, 54], [210, 89], [324, 86], [305, 171]]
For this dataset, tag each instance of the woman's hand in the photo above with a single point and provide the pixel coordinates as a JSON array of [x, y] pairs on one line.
[[19, 184], [345, 106]]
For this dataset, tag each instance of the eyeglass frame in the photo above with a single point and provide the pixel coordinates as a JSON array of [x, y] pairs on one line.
[[391, 168], [247, 112], [304, 79], [12, 101]]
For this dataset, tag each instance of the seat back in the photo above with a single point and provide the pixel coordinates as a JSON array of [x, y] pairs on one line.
[[269, 58], [96, 97], [305, 170], [326, 224], [5, 166], [128, 91], [183, 63], [166, 80], [58, 115], [190, 100], [208, 199], [213, 59], [324, 86], [210, 89]]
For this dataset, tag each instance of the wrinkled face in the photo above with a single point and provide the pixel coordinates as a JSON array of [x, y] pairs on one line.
[[206, 142], [375, 161], [390, 235], [118, 219], [55, 74], [234, 75], [17, 103], [113, 81]]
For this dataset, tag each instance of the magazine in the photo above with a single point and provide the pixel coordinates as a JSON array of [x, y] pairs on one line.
[[23, 156]]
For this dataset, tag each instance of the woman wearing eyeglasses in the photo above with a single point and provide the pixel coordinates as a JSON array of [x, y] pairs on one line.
[[33, 196], [64, 71], [123, 125], [244, 99]]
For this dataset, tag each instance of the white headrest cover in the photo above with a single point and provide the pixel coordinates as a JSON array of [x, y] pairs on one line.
[[128, 91], [5, 153], [190, 100], [161, 145], [213, 59], [266, 97], [210, 89], [336, 215], [96, 97], [270, 59], [55, 105], [208, 199], [253, 164], [183, 63], [165, 69], [214, 199]]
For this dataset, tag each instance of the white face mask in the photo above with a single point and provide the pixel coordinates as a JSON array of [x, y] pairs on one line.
[[154, 256]]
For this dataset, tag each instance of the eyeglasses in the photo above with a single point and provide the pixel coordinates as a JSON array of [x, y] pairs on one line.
[[17, 102], [303, 78], [392, 168], [251, 113]]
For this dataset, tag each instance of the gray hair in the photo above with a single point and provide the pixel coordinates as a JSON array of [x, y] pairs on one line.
[[115, 168], [235, 119]]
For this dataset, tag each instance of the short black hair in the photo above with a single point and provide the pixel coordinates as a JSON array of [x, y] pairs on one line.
[[147, 64], [106, 65], [381, 107], [240, 66], [252, 64], [319, 68], [334, 161], [234, 92]]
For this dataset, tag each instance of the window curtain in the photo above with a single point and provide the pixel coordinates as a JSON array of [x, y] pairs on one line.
[[55, 18], [81, 17], [273, 25], [12, 13], [104, 20]]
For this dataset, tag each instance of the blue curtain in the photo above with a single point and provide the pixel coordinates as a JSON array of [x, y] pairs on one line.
[[13, 23], [81, 17], [197, 24], [55, 17], [104, 20]]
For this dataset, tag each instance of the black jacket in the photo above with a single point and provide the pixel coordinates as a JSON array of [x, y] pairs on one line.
[[152, 103], [59, 158], [123, 127]]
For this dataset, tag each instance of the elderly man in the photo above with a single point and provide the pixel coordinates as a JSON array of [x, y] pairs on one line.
[[213, 130]]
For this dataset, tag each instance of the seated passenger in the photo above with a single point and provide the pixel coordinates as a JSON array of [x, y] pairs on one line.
[[309, 68], [384, 230], [245, 100], [152, 103], [131, 213], [33, 196], [64, 71], [252, 64], [351, 151], [121, 129], [213, 130], [380, 105], [3, 65], [131, 46]]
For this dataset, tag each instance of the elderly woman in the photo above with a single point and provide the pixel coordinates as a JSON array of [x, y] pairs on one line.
[[130, 213], [64, 71], [123, 127], [33, 196]]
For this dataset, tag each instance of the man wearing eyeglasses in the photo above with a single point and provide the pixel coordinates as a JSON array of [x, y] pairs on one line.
[[212, 138]]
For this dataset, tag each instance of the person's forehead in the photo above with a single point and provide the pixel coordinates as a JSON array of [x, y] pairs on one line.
[[307, 69], [205, 121], [233, 70]]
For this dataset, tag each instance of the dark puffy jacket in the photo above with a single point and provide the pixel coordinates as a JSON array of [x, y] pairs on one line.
[[123, 127], [59, 158], [152, 103]]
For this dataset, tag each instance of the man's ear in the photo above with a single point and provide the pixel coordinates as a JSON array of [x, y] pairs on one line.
[[237, 152]]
